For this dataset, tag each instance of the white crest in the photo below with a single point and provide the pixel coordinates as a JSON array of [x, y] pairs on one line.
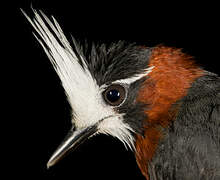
[[83, 93]]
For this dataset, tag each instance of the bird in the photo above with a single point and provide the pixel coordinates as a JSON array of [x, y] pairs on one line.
[[156, 100]]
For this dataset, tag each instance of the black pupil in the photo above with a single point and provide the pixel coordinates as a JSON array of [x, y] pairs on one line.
[[113, 95]]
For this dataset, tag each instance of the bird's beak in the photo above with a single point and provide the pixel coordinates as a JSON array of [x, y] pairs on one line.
[[72, 140]]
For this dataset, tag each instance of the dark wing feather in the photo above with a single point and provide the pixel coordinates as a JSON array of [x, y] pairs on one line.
[[191, 146]]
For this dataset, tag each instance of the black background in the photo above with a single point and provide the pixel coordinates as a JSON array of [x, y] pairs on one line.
[[38, 115]]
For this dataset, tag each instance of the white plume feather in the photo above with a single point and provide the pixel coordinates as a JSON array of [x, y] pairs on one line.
[[77, 81]]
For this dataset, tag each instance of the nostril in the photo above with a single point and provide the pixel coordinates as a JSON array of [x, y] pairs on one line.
[[73, 128]]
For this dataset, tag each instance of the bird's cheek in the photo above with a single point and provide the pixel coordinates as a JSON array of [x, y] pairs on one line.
[[110, 124], [116, 127]]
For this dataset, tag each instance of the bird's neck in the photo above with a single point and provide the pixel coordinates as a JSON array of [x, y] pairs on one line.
[[172, 75]]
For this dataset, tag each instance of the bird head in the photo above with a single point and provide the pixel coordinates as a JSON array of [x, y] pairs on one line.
[[101, 84], [123, 90]]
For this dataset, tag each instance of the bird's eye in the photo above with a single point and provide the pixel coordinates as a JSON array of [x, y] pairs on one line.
[[114, 94]]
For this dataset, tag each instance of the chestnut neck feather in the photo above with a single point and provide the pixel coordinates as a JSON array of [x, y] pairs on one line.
[[173, 74]]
